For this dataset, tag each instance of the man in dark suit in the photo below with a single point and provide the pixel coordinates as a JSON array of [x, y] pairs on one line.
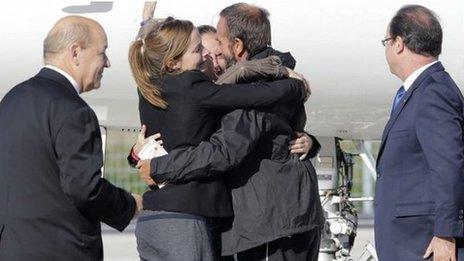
[[420, 185], [52, 195]]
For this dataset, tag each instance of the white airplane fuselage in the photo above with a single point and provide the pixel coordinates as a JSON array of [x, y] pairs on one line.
[[336, 44]]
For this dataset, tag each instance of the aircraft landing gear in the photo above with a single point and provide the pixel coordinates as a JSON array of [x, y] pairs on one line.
[[335, 177]]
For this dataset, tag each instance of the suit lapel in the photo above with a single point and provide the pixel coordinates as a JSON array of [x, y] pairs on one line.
[[417, 83]]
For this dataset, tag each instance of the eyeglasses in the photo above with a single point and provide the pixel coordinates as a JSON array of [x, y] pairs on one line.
[[384, 41]]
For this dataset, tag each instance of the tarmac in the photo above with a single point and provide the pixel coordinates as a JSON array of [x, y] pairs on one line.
[[123, 247]]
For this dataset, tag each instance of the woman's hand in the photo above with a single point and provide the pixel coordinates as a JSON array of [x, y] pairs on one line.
[[141, 140], [301, 145]]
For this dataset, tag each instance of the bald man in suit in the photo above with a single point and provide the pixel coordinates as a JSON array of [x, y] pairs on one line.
[[52, 195]]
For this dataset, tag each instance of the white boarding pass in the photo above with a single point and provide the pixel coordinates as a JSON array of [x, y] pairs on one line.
[[152, 150]]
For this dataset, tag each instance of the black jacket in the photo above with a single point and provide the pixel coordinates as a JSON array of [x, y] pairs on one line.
[[195, 106], [52, 196], [274, 194]]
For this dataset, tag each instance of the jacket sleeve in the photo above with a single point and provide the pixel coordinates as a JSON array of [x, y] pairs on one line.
[[244, 96], [239, 134], [315, 148], [300, 124], [78, 150], [253, 70], [439, 130]]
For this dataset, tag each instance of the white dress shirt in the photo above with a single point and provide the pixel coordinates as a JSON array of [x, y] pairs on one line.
[[69, 77], [411, 78]]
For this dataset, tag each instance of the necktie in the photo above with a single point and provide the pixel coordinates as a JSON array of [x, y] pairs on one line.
[[398, 97]]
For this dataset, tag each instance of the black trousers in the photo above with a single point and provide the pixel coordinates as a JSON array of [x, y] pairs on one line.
[[298, 247]]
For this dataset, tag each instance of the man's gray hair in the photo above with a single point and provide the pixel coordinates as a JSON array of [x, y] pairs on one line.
[[61, 37], [250, 24]]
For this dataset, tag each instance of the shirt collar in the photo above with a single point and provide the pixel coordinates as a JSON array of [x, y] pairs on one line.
[[411, 78], [69, 77]]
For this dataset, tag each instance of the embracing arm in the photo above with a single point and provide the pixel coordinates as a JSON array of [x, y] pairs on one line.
[[245, 96], [239, 134], [253, 70]]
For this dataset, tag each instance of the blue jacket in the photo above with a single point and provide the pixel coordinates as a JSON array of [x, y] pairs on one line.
[[420, 179]]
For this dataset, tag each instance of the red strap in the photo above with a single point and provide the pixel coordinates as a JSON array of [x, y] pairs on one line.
[[134, 155]]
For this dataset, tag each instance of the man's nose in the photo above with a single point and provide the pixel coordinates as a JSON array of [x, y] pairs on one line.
[[205, 55], [218, 52], [215, 60], [206, 52]]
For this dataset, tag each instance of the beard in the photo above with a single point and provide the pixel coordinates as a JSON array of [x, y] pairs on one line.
[[230, 61], [229, 58]]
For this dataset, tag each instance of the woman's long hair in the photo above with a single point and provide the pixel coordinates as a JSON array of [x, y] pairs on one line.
[[152, 55]]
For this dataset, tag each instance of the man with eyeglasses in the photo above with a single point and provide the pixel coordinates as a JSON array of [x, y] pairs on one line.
[[420, 180]]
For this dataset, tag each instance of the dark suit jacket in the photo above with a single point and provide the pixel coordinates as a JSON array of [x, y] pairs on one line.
[[193, 114], [52, 196], [420, 184]]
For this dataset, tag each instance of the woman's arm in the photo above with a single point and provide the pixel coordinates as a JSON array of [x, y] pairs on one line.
[[240, 133], [254, 70], [229, 97]]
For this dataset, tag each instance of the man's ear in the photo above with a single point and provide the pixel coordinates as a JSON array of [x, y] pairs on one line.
[[173, 65], [75, 51], [398, 45], [239, 50]]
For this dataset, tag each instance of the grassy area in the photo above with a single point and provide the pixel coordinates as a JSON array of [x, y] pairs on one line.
[[117, 170]]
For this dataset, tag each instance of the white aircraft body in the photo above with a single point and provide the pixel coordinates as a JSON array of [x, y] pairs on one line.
[[336, 44]]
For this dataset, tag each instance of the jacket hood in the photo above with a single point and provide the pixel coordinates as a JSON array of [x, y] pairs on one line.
[[287, 58]]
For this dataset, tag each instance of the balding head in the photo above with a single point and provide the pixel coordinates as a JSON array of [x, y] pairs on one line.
[[68, 31], [419, 28], [77, 46]]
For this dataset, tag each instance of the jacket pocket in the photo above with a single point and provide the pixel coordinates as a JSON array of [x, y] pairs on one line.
[[2, 227], [399, 134], [415, 209]]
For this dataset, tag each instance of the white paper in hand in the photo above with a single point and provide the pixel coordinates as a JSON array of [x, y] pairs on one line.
[[152, 150]]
